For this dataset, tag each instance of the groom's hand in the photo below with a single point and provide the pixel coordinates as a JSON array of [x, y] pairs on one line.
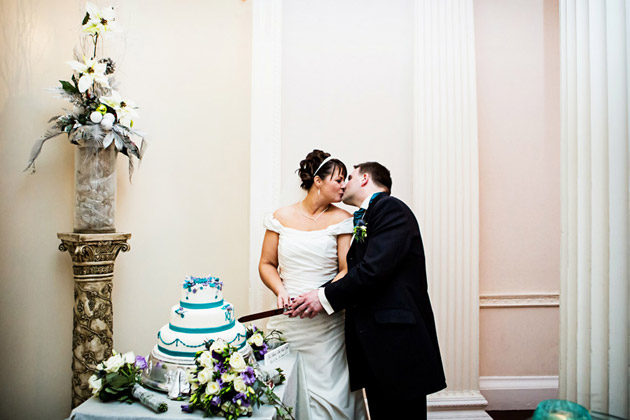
[[307, 305]]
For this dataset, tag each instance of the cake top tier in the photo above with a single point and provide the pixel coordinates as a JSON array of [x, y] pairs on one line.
[[201, 291]]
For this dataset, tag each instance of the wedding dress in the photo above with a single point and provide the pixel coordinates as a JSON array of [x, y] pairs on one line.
[[306, 260]]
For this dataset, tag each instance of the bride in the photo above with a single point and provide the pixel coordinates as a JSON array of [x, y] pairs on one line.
[[305, 246]]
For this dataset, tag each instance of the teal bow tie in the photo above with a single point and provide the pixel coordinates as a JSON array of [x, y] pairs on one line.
[[358, 215]]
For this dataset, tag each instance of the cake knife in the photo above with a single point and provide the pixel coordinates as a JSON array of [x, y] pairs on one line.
[[260, 315]]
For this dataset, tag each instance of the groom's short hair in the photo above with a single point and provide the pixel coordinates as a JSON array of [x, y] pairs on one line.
[[378, 173]]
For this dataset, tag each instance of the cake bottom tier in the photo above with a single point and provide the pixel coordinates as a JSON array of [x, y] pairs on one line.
[[180, 344]]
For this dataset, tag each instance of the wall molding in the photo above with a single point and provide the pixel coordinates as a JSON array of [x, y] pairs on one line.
[[517, 392], [520, 300]]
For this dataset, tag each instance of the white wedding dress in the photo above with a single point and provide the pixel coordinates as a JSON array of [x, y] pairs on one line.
[[306, 260]]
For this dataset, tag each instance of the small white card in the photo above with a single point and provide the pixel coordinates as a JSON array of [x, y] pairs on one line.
[[272, 356]]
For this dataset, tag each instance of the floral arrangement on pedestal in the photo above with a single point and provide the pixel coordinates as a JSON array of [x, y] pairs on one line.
[[225, 384], [100, 123], [119, 378], [100, 114]]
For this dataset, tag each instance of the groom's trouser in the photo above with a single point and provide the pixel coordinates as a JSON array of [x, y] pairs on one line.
[[388, 408]]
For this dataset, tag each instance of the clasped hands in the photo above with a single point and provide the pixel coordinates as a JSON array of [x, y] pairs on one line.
[[307, 305]]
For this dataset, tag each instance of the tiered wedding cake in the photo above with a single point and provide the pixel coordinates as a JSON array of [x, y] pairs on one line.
[[202, 315]]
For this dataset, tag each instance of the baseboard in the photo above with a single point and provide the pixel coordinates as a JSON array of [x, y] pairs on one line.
[[457, 405], [517, 392]]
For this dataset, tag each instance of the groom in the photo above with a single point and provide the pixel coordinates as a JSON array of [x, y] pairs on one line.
[[391, 342]]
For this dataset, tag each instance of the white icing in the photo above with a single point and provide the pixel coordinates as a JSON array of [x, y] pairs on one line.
[[202, 318]]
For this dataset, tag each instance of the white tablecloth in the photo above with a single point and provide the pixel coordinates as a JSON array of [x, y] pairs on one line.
[[293, 394]]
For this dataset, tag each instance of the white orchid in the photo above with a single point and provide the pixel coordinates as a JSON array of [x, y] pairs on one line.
[[99, 21], [91, 71], [125, 109]]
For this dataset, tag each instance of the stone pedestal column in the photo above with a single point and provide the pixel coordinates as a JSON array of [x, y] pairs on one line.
[[93, 258]]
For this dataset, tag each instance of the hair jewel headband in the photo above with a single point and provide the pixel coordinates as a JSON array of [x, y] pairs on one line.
[[322, 164]]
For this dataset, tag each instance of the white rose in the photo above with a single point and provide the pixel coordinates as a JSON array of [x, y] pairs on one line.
[[227, 377], [239, 385], [256, 340], [212, 388], [218, 346], [190, 376], [96, 117], [95, 384], [129, 357], [238, 362], [204, 376], [114, 363], [205, 359]]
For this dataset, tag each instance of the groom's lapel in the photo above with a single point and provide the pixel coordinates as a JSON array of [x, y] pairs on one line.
[[354, 246], [370, 209]]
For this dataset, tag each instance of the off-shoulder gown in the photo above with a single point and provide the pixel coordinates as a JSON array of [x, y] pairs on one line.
[[306, 260]]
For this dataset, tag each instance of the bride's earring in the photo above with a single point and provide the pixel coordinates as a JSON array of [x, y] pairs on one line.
[[318, 192]]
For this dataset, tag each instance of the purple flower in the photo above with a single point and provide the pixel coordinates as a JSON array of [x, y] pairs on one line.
[[248, 376], [242, 397], [141, 362], [264, 349], [215, 400], [218, 357], [187, 408]]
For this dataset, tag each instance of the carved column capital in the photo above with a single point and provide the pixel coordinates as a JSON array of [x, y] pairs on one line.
[[93, 258]]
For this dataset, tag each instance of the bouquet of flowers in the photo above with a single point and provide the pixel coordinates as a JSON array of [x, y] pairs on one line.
[[118, 378], [261, 342], [100, 115], [225, 384]]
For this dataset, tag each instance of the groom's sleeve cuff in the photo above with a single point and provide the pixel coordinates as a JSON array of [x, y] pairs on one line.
[[322, 299]]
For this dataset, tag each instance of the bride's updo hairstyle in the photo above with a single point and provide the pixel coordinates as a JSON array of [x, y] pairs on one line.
[[310, 164]]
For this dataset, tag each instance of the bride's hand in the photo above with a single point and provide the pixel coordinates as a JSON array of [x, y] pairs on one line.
[[283, 299]]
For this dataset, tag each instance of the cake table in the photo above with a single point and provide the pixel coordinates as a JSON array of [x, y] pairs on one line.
[[293, 393]]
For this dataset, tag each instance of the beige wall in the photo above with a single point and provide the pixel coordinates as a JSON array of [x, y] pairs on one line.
[[188, 68], [346, 77], [518, 60]]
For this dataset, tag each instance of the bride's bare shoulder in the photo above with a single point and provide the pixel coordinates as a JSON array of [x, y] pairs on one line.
[[286, 214], [339, 214]]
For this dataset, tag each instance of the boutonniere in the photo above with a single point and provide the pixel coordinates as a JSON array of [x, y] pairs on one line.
[[360, 231]]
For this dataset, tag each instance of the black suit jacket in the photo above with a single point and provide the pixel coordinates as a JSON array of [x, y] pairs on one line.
[[391, 341]]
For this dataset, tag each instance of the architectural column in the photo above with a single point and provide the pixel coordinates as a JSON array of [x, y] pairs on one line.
[[595, 296], [93, 258], [266, 140], [446, 194]]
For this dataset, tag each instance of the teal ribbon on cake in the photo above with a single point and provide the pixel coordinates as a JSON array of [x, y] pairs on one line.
[[201, 330], [201, 305]]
